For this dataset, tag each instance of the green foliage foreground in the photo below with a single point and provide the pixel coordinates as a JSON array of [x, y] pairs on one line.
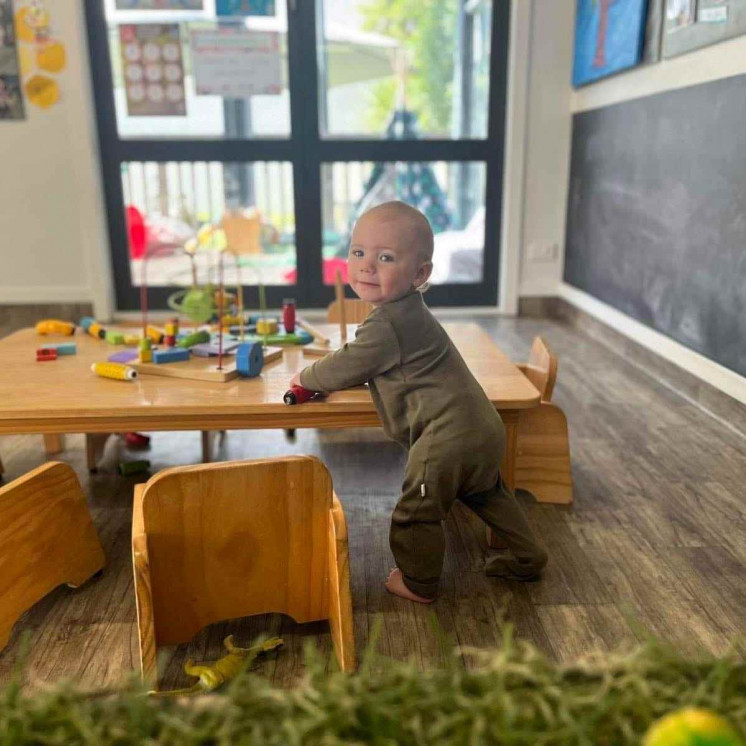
[[512, 695]]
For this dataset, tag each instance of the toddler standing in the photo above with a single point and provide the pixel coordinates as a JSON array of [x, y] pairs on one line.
[[428, 401]]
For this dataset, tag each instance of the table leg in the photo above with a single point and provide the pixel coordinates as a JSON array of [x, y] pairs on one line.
[[94, 449], [53, 443], [206, 446], [507, 467]]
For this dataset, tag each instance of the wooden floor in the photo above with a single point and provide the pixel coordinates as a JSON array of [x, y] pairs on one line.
[[655, 541]]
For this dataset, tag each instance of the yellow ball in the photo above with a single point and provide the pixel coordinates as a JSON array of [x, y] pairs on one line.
[[692, 727]]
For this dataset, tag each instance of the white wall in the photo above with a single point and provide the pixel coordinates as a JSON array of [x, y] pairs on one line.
[[53, 245], [548, 133]]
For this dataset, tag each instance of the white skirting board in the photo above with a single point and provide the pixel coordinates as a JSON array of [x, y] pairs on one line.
[[698, 365]]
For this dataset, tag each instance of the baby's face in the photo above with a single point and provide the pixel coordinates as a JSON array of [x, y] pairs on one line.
[[383, 265]]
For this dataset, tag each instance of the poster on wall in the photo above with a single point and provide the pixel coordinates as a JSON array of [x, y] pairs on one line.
[[11, 100], [707, 22], [159, 4], [236, 63], [153, 69], [609, 37], [245, 7]]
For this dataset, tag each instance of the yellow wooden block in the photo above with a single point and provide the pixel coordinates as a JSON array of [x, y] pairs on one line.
[[267, 326]]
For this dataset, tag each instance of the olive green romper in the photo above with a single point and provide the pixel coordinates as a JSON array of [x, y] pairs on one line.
[[431, 404]]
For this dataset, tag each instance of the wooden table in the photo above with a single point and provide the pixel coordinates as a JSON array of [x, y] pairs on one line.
[[64, 396]]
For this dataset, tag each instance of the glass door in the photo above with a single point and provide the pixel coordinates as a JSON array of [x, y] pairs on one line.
[[286, 119]]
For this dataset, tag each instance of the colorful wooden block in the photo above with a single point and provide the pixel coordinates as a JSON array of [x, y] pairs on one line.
[[66, 348], [123, 356], [267, 326], [249, 359], [200, 337], [45, 355], [114, 337], [173, 355], [155, 335]]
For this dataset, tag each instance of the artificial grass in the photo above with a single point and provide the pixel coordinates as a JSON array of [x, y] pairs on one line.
[[513, 695]]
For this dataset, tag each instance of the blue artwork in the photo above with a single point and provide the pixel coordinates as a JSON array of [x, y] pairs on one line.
[[609, 37], [245, 7]]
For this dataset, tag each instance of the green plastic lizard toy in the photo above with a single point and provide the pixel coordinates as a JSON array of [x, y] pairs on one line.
[[214, 675]]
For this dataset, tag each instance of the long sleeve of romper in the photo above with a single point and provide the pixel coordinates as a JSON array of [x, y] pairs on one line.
[[374, 351]]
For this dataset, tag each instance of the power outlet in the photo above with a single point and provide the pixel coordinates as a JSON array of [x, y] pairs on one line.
[[542, 252]]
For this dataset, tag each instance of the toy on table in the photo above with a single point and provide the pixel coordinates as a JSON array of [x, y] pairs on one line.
[[195, 338], [145, 350], [249, 359], [128, 468], [154, 335], [214, 675], [45, 354], [172, 329], [266, 327], [324, 347], [288, 315], [297, 395], [55, 326], [170, 355], [63, 348], [123, 356], [117, 371], [92, 327], [114, 338]]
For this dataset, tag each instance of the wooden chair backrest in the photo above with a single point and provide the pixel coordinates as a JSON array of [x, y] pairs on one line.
[[234, 539], [47, 538], [541, 368], [356, 311], [243, 231]]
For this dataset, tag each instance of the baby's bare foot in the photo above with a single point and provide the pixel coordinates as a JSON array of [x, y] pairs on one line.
[[395, 584]]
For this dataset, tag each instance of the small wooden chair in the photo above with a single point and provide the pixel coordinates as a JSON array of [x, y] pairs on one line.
[[356, 311], [219, 541], [543, 450], [47, 538]]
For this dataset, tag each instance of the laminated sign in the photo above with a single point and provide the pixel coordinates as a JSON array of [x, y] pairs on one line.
[[153, 70], [236, 63]]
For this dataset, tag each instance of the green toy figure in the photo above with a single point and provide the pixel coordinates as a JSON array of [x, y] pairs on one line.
[[214, 675]]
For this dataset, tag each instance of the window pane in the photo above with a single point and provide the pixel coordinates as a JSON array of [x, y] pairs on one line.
[[175, 200], [450, 194], [427, 61], [170, 67]]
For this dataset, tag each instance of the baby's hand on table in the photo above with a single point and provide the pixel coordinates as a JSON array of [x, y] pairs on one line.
[[295, 380]]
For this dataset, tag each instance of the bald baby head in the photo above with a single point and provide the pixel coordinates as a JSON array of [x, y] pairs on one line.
[[411, 220]]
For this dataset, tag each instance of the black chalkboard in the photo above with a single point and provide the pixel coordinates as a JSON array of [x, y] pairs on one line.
[[656, 223]]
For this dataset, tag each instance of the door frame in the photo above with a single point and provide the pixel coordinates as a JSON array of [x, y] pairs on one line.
[[307, 152]]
